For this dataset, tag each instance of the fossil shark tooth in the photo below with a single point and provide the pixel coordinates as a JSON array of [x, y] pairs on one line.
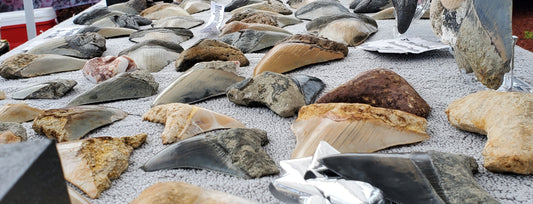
[[195, 6], [90, 164], [180, 192], [52, 90], [183, 121], [431, 177], [18, 113], [350, 29], [296, 4], [237, 151], [354, 127], [11, 132], [252, 41], [388, 13], [82, 45], [30, 65], [298, 51], [263, 17], [178, 21], [369, 6], [235, 4], [99, 69], [309, 86], [127, 85], [108, 32], [275, 6], [204, 80], [405, 11], [171, 34], [236, 26], [379, 88], [209, 50], [72, 123], [131, 6], [153, 55], [123, 21], [318, 9], [163, 10], [482, 42], [505, 117], [87, 18]]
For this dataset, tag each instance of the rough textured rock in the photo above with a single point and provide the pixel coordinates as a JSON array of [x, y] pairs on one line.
[[184, 193], [380, 88], [237, 151], [100, 69], [12, 132], [82, 45], [29, 65], [50, 90], [209, 50], [251, 40], [350, 29], [90, 164], [18, 113], [263, 17], [505, 117]]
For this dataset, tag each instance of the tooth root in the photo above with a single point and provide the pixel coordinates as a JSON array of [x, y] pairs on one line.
[[18, 113]]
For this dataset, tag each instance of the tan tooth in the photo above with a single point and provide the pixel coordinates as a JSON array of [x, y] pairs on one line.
[[195, 6], [183, 121], [30, 65], [18, 113], [163, 10], [268, 5], [354, 127], [90, 164]]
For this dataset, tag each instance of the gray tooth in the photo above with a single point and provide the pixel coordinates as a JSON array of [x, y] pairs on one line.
[[94, 15], [178, 21], [171, 34], [123, 21], [83, 45], [127, 85], [235, 4], [369, 6], [30, 65], [108, 32], [51, 90], [405, 11], [251, 40], [309, 86], [236, 151], [131, 6], [153, 55], [318, 9], [204, 80]]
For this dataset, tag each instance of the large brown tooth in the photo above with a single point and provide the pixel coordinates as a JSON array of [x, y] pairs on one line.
[[91, 163], [30, 65], [298, 51], [183, 121], [354, 127], [263, 17], [18, 113], [209, 50], [163, 10]]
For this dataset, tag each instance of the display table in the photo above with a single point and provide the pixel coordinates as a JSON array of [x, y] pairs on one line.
[[433, 74]]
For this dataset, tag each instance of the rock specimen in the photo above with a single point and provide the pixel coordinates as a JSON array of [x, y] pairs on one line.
[[29, 65], [184, 193], [204, 80], [354, 127], [238, 25], [12, 132], [318, 9], [251, 40], [275, 6], [72, 123], [298, 51], [195, 6], [209, 50], [87, 18], [237, 151], [90, 164], [436, 177], [18, 113], [350, 29], [369, 6], [183, 121], [282, 94], [172, 35], [100, 69], [122, 21], [128, 85], [153, 55], [107, 32], [83, 45], [263, 17], [31, 173], [505, 117], [379, 88], [482, 42], [178, 21], [163, 10], [53, 90]]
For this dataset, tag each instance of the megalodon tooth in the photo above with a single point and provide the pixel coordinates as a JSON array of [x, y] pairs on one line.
[[99, 69], [153, 55], [72, 123], [18, 113], [379, 88], [90, 164], [309, 86], [505, 117], [183, 121], [236, 26], [180, 192], [300, 50], [354, 127], [171, 34], [108, 32], [11, 132], [178, 21], [128, 85], [318, 9], [252, 41], [263, 17], [369, 6], [122, 21], [131, 6], [419, 177], [49, 90], [482, 41], [87, 18], [195, 6], [235, 4], [209, 50], [159, 11], [351, 29], [82, 45], [204, 80], [296, 4], [30, 65], [280, 93], [405, 11], [237, 152], [275, 6]]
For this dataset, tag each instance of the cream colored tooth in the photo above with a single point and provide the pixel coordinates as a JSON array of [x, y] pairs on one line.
[[18, 113], [268, 5], [238, 25], [195, 6], [351, 29], [163, 10], [30, 65]]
